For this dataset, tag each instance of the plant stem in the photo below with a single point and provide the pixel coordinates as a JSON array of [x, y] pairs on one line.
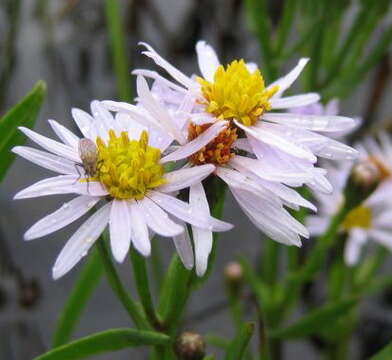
[[130, 306], [270, 261], [143, 288]]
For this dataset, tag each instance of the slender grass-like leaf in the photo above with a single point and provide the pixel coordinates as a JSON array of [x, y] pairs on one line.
[[143, 287], [105, 341], [384, 354], [23, 113], [175, 290], [78, 299], [310, 323], [237, 347], [117, 42]]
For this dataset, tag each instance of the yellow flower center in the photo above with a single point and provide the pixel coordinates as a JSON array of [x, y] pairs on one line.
[[128, 168], [360, 217], [237, 93], [217, 151]]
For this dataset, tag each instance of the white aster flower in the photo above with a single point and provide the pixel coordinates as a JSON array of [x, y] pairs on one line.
[[236, 93], [372, 220], [118, 164], [259, 188]]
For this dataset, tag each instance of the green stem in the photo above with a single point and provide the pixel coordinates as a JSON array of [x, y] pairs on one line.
[[120, 61], [130, 306], [143, 288], [270, 261]]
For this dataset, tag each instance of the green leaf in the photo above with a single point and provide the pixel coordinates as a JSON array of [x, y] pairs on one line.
[[175, 291], [143, 288], [384, 354], [23, 113], [237, 347], [110, 340], [311, 322], [78, 299], [120, 60]]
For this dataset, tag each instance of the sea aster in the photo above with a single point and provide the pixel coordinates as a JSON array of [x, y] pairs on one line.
[[260, 190], [237, 93], [373, 218], [117, 163]]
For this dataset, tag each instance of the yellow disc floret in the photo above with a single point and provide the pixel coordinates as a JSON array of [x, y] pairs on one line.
[[237, 93], [360, 217], [128, 168]]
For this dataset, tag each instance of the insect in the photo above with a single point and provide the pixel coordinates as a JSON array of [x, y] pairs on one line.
[[88, 155]]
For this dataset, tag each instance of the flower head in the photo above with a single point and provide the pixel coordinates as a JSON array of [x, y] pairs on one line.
[[117, 164], [370, 220]]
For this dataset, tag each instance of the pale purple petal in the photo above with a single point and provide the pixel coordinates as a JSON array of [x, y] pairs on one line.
[[52, 145], [207, 59], [139, 230], [120, 229], [286, 81], [294, 101], [65, 215], [196, 144], [183, 245], [85, 123], [158, 220], [355, 241], [183, 178], [154, 75], [80, 242], [187, 213], [46, 160], [65, 135], [202, 238]]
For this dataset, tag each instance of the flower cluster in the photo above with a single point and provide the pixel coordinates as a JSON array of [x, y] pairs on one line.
[[226, 122]]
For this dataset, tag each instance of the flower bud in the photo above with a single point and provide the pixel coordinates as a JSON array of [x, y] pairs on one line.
[[190, 346], [233, 276]]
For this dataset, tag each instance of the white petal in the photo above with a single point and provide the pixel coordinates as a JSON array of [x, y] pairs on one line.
[[183, 245], [158, 220], [332, 107], [139, 233], [202, 238], [46, 160], [355, 241], [294, 101], [286, 81], [92, 188], [103, 119], [382, 237], [55, 185], [251, 66], [65, 215], [65, 135], [187, 213], [120, 229], [183, 178], [51, 145], [278, 142], [207, 59], [312, 122], [157, 111], [196, 144], [84, 121], [316, 224], [154, 75], [80, 242], [202, 119], [266, 218], [175, 73]]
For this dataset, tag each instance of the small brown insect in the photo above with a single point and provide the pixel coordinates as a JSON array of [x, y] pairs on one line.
[[89, 156]]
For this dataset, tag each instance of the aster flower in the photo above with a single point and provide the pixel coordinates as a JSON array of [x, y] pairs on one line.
[[117, 164], [211, 143], [237, 93], [372, 220]]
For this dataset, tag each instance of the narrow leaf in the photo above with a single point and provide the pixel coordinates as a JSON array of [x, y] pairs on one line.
[[78, 299], [310, 323], [237, 347], [110, 340], [384, 354], [174, 293], [22, 114]]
